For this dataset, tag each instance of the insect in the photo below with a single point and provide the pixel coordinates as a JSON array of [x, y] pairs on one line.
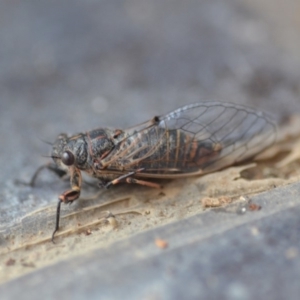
[[192, 140]]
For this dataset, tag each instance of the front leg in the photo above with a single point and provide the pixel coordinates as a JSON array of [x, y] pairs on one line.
[[68, 196], [51, 167]]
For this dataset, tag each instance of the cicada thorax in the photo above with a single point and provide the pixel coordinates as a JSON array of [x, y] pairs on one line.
[[100, 143]]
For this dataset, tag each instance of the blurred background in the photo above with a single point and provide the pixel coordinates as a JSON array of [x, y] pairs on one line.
[[70, 66]]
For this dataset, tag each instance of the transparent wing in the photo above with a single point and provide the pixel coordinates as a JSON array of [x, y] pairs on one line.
[[241, 132], [197, 138]]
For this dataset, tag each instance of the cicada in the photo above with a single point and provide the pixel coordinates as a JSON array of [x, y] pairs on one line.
[[192, 140]]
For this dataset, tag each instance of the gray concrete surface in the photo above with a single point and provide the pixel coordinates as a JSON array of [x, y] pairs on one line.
[[217, 255], [73, 66]]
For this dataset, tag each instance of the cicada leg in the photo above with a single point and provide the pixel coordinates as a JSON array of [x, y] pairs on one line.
[[68, 196], [143, 182], [128, 178], [52, 167]]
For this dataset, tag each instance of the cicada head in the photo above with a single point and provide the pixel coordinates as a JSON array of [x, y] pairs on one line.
[[58, 149], [69, 151]]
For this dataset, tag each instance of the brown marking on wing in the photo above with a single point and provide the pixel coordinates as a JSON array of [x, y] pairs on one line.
[[205, 155], [193, 150], [168, 146], [177, 145], [187, 145]]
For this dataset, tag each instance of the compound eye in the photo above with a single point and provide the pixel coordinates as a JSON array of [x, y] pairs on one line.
[[68, 158]]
